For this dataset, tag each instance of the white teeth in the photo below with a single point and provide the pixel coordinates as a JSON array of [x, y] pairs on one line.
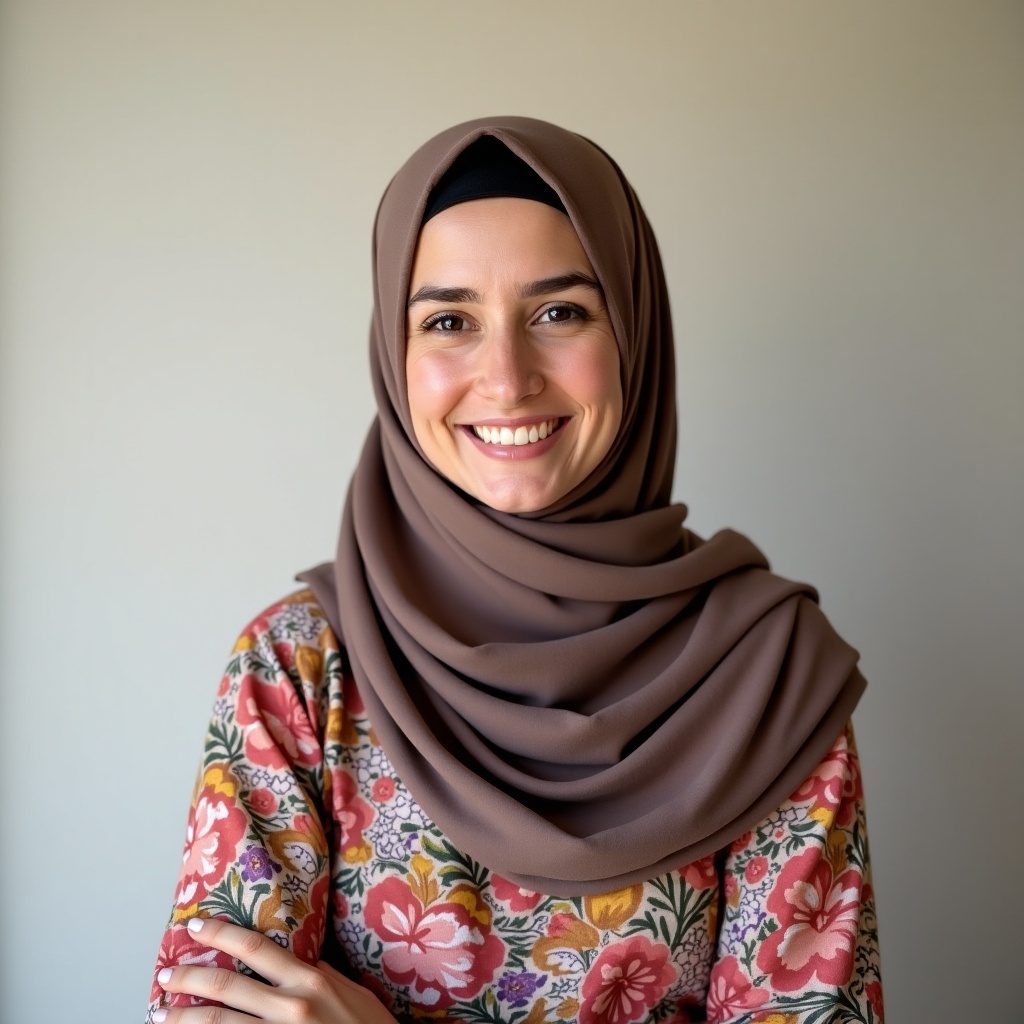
[[521, 435]]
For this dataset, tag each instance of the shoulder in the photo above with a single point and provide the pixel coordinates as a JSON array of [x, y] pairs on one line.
[[290, 640], [295, 621]]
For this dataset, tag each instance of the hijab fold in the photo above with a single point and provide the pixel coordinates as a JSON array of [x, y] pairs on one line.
[[584, 697]]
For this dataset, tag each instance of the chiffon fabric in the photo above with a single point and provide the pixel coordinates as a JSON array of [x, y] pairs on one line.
[[588, 696]]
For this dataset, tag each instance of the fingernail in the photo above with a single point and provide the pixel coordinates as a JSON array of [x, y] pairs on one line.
[[164, 976], [194, 924], [159, 1016]]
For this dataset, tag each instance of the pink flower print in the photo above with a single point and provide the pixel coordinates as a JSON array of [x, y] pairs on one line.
[[262, 801], [873, 989], [625, 982], [178, 947], [756, 869], [513, 896], [731, 992], [701, 873], [383, 790], [215, 828], [351, 812], [309, 937], [276, 726], [818, 919], [440, 953]]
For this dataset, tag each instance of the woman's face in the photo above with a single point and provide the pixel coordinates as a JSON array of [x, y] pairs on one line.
[[512, 365]]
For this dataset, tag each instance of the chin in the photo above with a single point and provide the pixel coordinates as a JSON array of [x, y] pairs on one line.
[[516, 499]]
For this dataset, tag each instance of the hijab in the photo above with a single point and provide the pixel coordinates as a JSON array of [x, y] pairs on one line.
[[587, 696]]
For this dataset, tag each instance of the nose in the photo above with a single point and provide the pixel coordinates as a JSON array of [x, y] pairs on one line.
[[509, 370]]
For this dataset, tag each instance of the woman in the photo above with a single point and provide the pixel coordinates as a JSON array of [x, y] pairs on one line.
[[528, 750]]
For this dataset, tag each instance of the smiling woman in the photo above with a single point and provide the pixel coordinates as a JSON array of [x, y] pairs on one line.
[[512, 365], [528, 750]]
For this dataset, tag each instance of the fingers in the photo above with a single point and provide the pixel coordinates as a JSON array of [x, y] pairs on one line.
[[222, 986], [279, 966]]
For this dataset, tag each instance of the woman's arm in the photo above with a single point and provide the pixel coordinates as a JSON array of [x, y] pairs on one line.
[[256, 849], [798, 934]]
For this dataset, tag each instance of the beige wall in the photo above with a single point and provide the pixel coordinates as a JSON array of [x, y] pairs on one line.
[[186, 193]]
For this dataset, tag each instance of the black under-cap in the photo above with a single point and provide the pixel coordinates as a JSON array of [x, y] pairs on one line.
[[487, 169]]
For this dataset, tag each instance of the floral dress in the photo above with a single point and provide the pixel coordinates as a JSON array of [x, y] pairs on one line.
[[299, 828]]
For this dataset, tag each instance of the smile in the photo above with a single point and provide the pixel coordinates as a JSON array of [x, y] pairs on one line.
[[521, 435]]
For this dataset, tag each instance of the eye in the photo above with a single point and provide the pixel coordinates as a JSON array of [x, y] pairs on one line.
[[444, 322], [563, 313]]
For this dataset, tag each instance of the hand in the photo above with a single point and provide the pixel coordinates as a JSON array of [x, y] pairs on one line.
[[297, 991]]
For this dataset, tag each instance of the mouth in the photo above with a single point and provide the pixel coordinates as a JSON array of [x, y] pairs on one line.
[[517, 436]]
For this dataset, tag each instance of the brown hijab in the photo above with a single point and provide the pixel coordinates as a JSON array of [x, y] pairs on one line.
[[588, 696]]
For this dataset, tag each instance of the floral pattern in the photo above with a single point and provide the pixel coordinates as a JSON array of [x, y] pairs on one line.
[[301, 829]]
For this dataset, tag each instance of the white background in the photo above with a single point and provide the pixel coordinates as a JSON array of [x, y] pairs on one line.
[[186, 195]]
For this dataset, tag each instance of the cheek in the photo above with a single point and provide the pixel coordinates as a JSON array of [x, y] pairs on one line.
[[434, 389], [591, 376]]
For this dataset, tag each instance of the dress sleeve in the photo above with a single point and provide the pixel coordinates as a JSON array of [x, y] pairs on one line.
[[257, 838], [797, 939]]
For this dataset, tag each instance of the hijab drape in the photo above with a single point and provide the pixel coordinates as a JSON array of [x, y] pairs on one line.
[[587, 696]]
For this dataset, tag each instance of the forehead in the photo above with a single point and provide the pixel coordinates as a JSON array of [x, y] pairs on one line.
[[519, 238]]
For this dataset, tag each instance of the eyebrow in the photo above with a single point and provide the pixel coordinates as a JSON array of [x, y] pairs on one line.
[[558, 283]]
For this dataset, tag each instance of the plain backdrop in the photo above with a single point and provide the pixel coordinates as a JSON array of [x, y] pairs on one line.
[[186, 197]]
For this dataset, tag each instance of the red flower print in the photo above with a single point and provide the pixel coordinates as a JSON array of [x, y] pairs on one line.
[[276, 725], [340, 904], [262, 801], [441, 953], [308, 940], [818, 917], [351, 697], [512, 895], [215, 828], [731, 992], [625, 981], [701, 873], [383, 790], [756, 869], [732, 889], [351, 812], [176, 948], [874, 994], [835, 785]]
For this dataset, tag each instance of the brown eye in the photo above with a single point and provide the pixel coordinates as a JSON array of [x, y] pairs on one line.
[[446, 322], [562, 314]]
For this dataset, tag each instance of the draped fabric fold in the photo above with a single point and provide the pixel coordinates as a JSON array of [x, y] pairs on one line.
[[586, 696]]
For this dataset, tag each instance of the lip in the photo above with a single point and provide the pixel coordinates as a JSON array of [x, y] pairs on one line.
[[518, 452]]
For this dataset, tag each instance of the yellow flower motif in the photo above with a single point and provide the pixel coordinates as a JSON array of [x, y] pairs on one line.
[[565, 932], [184, 913], [219, 776], [567, 1008], [835, 851], [423, 886], [823, 816], [469, 898], [310, 663], [538, 1013], [779, 1018], [610, 910], [243, 643], [335, 724], [358, 854]]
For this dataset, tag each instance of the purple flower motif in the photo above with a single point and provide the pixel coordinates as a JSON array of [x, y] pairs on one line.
[[516, 988], [256, 864]]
